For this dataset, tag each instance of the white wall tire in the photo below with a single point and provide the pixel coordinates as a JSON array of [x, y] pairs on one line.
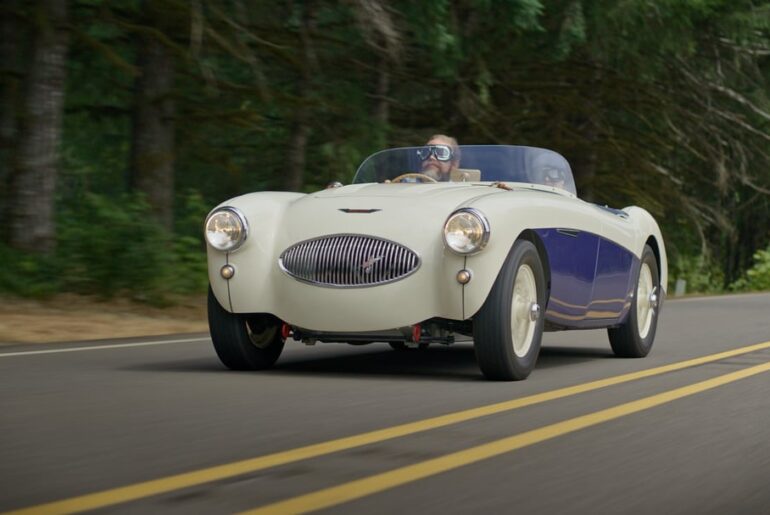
[[508, 329], [634, 338]]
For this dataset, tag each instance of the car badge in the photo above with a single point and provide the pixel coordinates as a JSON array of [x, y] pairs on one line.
[[367, 265], [347, 210]]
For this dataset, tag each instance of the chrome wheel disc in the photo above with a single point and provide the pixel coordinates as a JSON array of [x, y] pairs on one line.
[[523, 305], [646, 299], [261, 337]]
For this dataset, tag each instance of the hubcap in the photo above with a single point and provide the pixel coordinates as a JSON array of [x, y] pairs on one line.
[[646, 300], [524, 310], [260, 335], [534, 312]]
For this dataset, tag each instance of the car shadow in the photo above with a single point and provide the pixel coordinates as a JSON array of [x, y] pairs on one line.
[[554, 357], [457, 363]]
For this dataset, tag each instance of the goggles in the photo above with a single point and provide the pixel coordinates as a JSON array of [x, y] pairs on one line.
[[554, 174], [440, 152]]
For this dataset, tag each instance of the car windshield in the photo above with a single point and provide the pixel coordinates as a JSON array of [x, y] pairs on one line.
[[472, 163]]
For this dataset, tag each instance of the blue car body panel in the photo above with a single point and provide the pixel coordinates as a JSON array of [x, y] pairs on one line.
[[592, 279]]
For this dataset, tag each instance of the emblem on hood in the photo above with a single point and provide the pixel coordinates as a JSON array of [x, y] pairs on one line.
[[367, 265], [348, 210]]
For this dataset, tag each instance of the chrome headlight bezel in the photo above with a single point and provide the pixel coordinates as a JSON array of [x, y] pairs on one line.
[[476, 218], [243, 234]]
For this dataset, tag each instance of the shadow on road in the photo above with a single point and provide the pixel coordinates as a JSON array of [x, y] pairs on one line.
[[453, 363], [456, 363]]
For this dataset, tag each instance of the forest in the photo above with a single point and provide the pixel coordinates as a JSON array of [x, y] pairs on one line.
[[122, 123]]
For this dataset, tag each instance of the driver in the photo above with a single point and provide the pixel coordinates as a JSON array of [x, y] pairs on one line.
[[439, 157], [554, 177], [549, 169]]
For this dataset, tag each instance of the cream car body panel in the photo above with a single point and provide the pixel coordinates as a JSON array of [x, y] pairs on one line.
[[590, 252]]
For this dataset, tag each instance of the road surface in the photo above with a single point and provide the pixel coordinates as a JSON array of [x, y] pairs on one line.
[[158, 425]]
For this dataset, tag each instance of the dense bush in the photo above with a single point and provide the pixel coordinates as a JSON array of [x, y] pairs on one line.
[[28, 274], [758, 276], [111, 246], [701, 275]]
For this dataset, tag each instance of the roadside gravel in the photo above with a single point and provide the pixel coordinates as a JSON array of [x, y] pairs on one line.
[[65, 318]]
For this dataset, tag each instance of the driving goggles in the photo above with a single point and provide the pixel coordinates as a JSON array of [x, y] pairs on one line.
[[440, 152], [554, 174]]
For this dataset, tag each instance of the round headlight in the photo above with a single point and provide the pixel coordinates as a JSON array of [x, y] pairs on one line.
[[466, 231], [226, 229]]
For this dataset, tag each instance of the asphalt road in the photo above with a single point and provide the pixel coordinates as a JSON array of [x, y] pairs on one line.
[[156, 425]]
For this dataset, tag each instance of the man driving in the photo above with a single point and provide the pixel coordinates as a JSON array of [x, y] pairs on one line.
[[554, 177], [440, 156]]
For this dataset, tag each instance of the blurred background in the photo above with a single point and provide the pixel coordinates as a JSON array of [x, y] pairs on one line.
[[122, 123]]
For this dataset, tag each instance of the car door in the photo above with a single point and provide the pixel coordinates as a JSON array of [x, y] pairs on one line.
[[572, 258], [615, 267]]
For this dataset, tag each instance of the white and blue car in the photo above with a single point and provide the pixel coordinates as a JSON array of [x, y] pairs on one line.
[[501, 251]]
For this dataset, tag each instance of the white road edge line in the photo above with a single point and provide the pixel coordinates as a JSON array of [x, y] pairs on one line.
[[101, 347]]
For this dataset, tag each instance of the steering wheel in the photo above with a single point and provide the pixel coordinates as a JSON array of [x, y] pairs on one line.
[[420, 176]]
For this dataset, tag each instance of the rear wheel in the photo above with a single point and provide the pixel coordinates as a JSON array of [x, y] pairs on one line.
[[508, 328], [244, 342], [634, 338]]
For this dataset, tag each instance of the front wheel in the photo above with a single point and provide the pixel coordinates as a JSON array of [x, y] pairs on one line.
[[508, 328], [634, 338], [244, 342]]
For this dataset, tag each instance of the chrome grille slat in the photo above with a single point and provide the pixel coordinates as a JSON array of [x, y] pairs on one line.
[[377, 267], [348, 261], [360, 257]]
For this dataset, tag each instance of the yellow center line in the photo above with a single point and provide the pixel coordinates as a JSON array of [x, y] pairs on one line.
[[189, 479], [379, 482]]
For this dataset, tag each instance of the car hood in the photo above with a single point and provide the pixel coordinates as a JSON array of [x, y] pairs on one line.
[[385, 210], [406, 191]]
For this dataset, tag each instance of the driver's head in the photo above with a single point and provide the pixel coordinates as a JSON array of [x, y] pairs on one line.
[[553, 177], [440, 156]]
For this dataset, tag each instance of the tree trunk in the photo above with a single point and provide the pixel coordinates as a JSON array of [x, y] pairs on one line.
[[10, 91], [585, 159], [152, 143], [301, 128], [10, 78], [382, 105], [32, 188]]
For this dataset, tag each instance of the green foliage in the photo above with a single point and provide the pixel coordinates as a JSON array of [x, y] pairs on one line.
[[189, 273], [658, 104], [26, 274], [109, 246], [757, 278], [701, 275]]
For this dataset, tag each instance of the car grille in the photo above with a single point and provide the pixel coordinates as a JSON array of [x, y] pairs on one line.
[[348, 261]]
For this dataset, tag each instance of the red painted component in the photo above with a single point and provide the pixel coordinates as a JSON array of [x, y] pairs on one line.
[[416, 332], [285, 330]]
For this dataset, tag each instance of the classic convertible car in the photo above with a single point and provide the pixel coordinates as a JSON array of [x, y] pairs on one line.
[[500, 249]]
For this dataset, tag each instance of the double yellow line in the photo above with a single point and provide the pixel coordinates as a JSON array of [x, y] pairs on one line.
[[379, 482], [367, 486]]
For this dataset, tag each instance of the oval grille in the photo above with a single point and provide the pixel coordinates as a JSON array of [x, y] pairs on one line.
[[348, 260]]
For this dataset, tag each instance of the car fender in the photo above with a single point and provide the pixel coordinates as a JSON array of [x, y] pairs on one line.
[[253, 261], [646, 228]]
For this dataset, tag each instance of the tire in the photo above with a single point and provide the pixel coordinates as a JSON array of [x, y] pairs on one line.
[[506, 338], [634, 338], [244, 342]]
